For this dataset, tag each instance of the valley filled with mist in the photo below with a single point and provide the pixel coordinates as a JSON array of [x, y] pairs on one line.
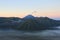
[[29, 28]]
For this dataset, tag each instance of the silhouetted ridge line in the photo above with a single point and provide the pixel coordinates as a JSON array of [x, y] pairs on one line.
[[28, 23]]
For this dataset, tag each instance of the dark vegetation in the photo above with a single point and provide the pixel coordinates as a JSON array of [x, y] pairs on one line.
[[28, 23]]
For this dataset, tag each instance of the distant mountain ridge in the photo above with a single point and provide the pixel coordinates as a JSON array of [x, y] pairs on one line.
[[28, 23]]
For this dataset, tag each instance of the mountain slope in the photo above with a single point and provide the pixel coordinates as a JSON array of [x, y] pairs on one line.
[[28, 23], [33, 23]]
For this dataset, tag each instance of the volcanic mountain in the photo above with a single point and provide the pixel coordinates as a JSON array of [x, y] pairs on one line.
[[28, 23], [37, 23]]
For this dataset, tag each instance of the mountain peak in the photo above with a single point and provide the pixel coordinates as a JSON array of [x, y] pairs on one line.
[[29, 17]]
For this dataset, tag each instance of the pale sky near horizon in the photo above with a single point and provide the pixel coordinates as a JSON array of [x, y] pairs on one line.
[[21, 8]]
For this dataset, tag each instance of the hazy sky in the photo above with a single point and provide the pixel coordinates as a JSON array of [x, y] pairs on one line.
[[21, 8]]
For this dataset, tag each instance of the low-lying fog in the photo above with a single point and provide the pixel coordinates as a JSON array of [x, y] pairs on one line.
[[37, 35]]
